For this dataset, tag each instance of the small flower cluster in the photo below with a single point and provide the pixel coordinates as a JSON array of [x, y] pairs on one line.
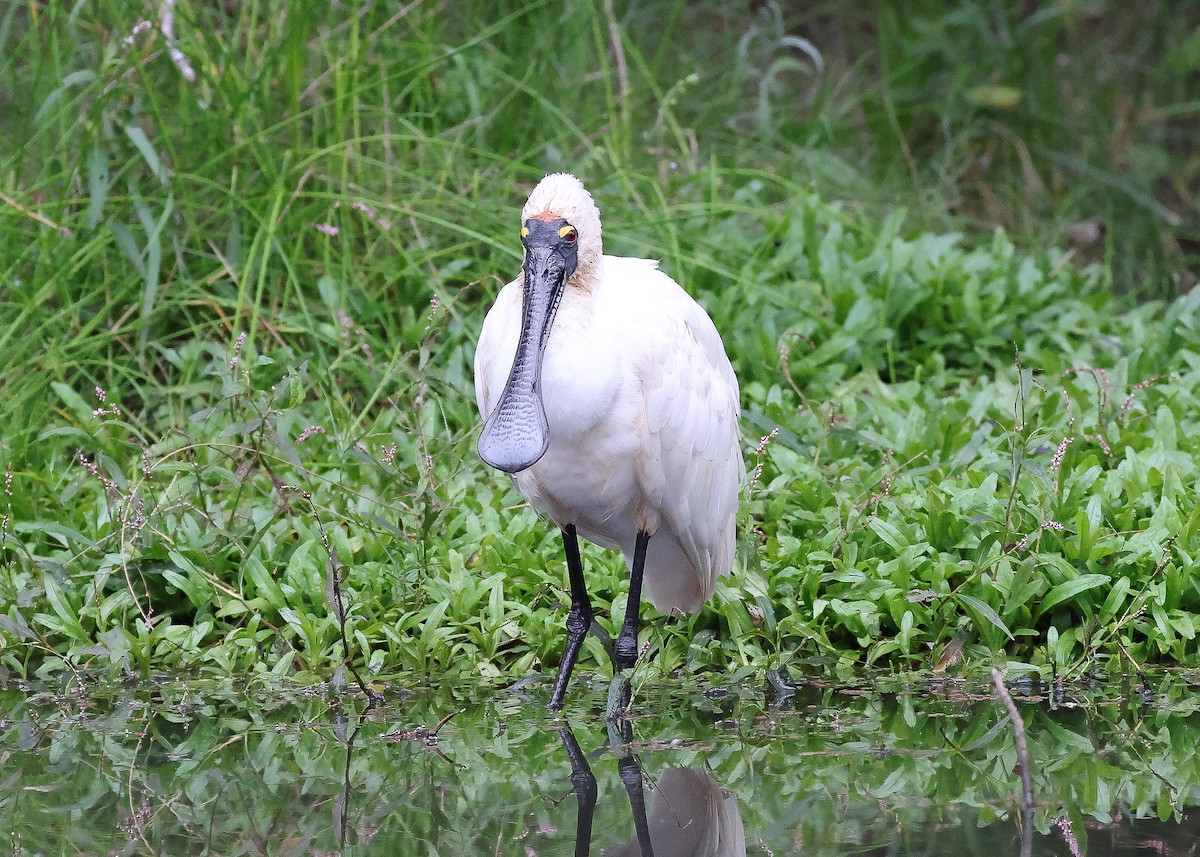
[[884, 484], [138, 519], [236, 357], [1056, 461], [8, 512], [1064, 824], [1099, 438], [1023, 544], [138, 28], [309, 432], [370, 213], [1100, 375], [434, 304], [90, 467], [373, 216], [763, 443], [166, 24], [351, 329], [113, 409], [1070, 411], [1133, 388], [132, 512]]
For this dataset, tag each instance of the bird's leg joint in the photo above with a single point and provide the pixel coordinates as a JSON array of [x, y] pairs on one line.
[[625, 653], [630, 773], [579, 620]]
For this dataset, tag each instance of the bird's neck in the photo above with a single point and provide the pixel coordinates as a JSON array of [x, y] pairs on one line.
[[589, 274]]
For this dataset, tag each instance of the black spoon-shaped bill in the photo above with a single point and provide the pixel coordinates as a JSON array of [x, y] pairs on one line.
[[517, 434]]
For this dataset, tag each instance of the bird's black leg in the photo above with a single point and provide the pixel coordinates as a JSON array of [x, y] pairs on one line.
[[626, 652], [578, 620], [630, 772], [583, 783]]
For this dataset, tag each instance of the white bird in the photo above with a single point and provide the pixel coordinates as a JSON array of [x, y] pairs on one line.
[[689, 816], [609, 397]]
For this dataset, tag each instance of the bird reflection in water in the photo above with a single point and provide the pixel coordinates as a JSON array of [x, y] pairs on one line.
[[687, 814]]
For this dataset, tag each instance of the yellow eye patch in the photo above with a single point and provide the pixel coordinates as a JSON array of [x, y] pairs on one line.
[[524, 231], [567, 232]]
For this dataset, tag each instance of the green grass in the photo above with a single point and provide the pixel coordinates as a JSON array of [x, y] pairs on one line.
[[276, 272]]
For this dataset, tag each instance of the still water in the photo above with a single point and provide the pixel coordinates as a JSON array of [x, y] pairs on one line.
[[880, 767]]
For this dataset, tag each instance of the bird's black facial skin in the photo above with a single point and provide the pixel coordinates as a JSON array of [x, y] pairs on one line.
[[556, 236]]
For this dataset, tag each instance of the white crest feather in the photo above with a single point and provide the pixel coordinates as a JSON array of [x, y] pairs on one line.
[[564, 195]]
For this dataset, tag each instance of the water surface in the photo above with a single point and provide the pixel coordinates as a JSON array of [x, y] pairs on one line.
[[882, 767]]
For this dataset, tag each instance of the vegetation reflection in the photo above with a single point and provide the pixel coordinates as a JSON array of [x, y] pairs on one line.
[[830, 769]]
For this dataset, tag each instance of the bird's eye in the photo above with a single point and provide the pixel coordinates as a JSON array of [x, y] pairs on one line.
[[524, 231], [568, 234]]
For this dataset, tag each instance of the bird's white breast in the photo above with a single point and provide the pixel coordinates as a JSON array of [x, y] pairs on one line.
[[592, 399]]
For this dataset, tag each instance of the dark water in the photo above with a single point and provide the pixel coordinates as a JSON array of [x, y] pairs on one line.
[[887, 767]]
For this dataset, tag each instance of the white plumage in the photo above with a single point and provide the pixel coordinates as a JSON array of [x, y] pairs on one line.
[[640, 403], [690, 816]]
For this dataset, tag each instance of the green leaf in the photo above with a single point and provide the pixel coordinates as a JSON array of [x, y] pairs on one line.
[[198, 590], [73, 401], [128, 247], [1070, 589], [73, 79], [142, 143], [98, 185], [265, 584], [984, 612], [889, 533]]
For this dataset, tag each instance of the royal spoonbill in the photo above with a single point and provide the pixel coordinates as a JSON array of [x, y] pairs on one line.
[[608, 396]]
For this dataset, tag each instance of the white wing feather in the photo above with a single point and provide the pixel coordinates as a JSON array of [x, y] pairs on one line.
[[693, 464]]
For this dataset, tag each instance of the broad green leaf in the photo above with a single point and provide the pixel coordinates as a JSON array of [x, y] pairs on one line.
[[1070, 589], [984, 612]]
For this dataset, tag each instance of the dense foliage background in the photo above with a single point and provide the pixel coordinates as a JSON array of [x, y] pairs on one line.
[[245, 251]]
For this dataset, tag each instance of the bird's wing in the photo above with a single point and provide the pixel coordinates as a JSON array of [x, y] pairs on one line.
[[496, 347], [694, 465]]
